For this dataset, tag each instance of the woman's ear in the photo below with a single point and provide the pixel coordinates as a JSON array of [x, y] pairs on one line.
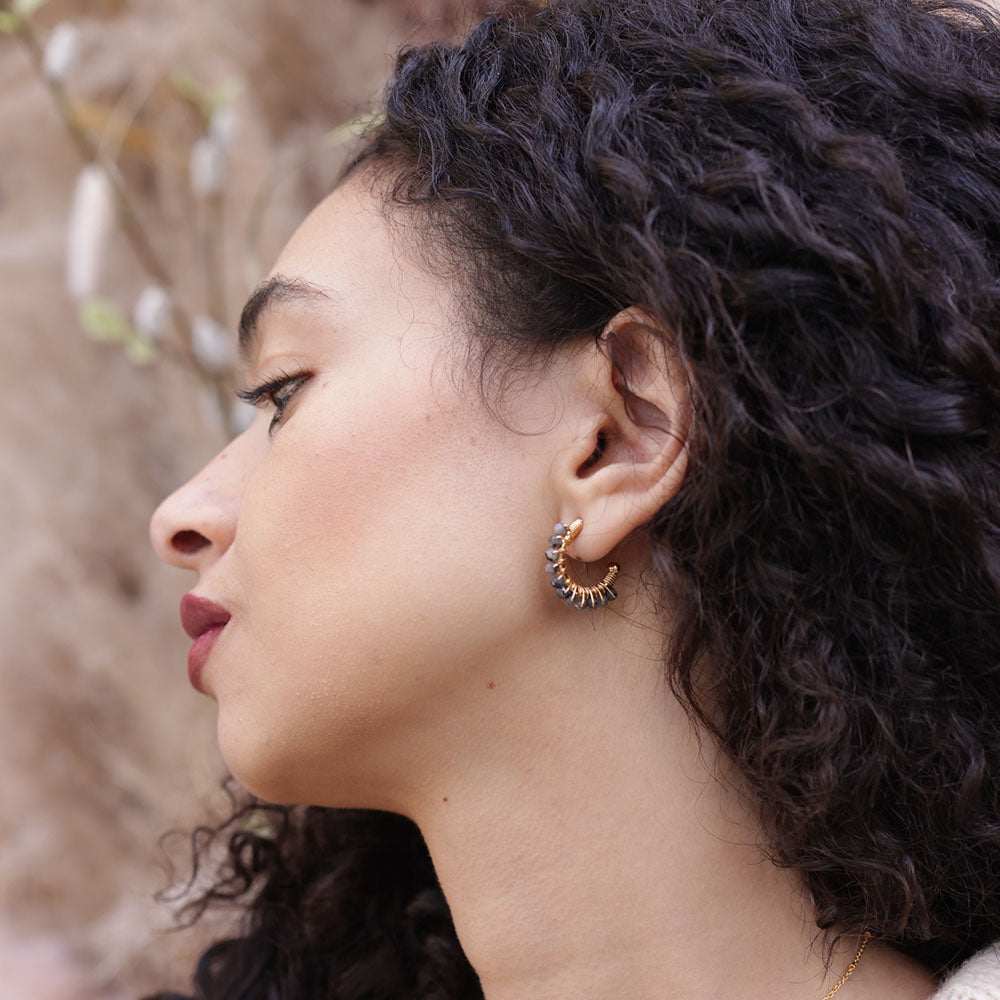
[[630, 417]]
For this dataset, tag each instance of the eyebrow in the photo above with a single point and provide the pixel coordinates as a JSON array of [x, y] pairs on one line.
[[277, 290]]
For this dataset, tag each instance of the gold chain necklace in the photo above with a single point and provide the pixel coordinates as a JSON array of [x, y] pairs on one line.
[[847, 973]]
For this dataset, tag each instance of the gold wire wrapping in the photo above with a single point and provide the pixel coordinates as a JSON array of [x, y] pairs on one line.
[[568, 589]]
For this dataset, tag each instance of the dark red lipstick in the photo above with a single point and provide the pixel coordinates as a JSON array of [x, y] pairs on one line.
[[203, 620]]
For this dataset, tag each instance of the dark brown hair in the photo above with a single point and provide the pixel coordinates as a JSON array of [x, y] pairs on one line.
[[807, 194]]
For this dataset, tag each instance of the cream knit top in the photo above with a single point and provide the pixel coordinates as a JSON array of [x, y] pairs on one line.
[[978, 979]]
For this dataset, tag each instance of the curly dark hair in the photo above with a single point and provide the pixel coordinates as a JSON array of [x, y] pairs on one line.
[[806, 193]]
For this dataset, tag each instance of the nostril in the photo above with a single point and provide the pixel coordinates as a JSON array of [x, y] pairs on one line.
[[188, 542]]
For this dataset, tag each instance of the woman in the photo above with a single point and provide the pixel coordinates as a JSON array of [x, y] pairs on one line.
[[714, 287]]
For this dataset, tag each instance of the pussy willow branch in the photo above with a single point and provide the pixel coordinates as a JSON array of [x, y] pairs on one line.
[[131, 226]]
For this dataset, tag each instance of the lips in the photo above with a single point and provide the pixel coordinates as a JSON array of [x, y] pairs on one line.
[[198, 615], [203, 620]]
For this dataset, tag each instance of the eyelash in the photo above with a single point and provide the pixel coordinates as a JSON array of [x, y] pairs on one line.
[[270, 392]]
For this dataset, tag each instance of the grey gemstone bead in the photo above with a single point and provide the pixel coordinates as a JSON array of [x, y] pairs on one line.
[[559, 529], [556, 581], [555, 540], [550, 567], [612, 593], [551, 553]]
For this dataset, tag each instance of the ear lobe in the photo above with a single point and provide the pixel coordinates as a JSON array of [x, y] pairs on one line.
[[630, 453]]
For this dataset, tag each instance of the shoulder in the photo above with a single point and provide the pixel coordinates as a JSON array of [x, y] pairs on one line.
[[977, 979]]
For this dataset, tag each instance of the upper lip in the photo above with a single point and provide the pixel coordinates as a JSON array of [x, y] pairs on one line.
[[198, 615]]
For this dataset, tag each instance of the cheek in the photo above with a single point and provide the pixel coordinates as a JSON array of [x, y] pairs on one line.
[[328, 469], [379, 502], [394, 516]]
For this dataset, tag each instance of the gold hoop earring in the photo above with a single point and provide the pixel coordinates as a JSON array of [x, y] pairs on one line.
[[566, 587]]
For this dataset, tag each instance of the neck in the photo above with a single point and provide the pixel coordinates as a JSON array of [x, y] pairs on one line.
[[594, 852]]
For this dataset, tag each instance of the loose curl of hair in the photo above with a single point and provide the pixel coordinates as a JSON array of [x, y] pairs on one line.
[[806, 193]]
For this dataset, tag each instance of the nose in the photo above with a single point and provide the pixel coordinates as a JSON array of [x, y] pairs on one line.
[[196, 524]]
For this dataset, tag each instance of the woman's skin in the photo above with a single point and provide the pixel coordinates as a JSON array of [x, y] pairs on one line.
[[395, 643]]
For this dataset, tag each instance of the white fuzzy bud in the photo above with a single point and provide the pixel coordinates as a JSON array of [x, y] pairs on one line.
[[208, 167], [211, 344], [61, 51], [223, 125], [91, 220], [152, 312]]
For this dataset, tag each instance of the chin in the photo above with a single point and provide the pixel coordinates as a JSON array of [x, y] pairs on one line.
[[254, 764], [273, 771]]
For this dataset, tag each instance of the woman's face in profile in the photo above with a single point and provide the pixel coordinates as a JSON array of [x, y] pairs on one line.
[[374, 542]]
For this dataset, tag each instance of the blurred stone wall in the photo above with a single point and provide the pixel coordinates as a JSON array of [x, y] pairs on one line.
[[103, 746]]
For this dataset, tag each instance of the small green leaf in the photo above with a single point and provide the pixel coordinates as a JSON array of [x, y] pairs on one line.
[[206, 99], [10, 23], [140, 350], [224, 94], [191, 89], [25, 8], [103, 321]]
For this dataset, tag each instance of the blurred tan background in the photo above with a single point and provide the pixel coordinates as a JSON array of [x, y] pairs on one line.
[[103, 745]]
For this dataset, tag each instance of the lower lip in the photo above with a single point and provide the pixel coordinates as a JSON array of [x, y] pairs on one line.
[[198, 654]]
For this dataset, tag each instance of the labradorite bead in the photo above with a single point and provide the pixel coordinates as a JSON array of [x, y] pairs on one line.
[[555, 540], [556, 582], [551, 553], [550, 567], [559, 529]]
